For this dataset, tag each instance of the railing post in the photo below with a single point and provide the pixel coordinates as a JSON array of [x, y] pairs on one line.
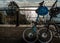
[[17, 19]]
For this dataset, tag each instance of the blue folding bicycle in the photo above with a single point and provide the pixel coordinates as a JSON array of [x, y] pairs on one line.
[[43, 34]]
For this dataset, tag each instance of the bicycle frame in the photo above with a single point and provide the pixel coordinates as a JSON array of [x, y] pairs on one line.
[[34, 27]]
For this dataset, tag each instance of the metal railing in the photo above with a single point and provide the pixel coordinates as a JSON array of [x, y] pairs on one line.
[[11, 20]]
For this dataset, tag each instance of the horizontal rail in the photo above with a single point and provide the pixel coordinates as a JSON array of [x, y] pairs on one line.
[[20, 25]]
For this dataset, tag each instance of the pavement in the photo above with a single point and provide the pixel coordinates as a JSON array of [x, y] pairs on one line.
[[12, 34]]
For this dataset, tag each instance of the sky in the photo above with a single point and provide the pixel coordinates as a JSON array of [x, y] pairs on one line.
[[31, 0]]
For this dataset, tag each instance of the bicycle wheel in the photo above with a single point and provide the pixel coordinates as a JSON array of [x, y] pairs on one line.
[[55, 30], [29, 36], [44, 35]]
